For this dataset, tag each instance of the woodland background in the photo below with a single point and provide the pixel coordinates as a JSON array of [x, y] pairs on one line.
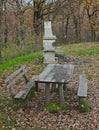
[[21, 24], [21, 34]]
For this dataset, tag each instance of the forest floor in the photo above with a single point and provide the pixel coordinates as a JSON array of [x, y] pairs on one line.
[[36, 117]]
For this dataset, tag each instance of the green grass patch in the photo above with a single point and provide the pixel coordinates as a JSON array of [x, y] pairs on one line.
[[94, 51], [52, 107], [25, 48], [82, 49], [20, 60], [84, 106]]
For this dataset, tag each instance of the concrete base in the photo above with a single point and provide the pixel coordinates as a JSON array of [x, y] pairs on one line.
[[49, 57]]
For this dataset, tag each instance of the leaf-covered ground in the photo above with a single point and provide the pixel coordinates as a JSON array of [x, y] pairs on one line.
[[36, 117]]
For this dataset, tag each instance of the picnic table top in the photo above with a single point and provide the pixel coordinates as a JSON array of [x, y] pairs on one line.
[[56, 73]]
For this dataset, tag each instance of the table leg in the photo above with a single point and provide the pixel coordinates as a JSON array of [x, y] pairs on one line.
[[36, 86], [53, 86], [65, 87], [47, 93], [61, 94]]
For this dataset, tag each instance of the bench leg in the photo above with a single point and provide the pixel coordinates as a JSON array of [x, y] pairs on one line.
[[61, 94], [47, 93], [81, 99], [12, 92], [27, 102]]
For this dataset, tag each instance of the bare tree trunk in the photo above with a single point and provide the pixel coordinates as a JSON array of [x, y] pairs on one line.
[[92, 17], [6, 26], [38, 16], [75, 20], [0, 52], [20, 29], [1, 13], [66, 26], [93, 33]]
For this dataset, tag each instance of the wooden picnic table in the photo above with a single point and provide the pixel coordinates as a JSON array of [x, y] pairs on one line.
[[56, 74]]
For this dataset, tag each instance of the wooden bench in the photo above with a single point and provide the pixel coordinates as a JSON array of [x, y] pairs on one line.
[[22, 95], [82, 89]]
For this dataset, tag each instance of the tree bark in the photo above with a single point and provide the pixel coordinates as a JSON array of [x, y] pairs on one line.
[[38, 15], [6, 26], [1, 14], [92, 16]]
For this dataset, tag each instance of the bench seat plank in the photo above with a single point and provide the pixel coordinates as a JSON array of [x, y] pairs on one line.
[[24, 91], [82, 89]]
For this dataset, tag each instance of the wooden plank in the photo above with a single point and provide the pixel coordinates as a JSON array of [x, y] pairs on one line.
[[82, 90], [15, 73], [45, 73], [11, 82], [24, 92], [69, 68], [62, 73], [49, 77]]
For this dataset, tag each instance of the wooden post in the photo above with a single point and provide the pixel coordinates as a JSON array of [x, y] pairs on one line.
[[47, 93], [25, 77], [12, 91], [61, 94], [36, 83], [81, 99], [27, 102]]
